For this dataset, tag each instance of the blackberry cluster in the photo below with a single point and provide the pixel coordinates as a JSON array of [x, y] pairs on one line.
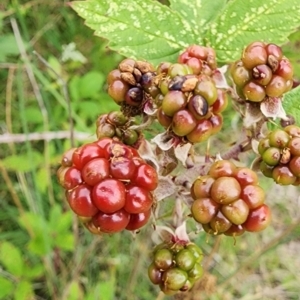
[[116, 124], [280, 154], [127, 85], [262, 72], [202, 60], [176, 266], [108, 185], [229, 200], [189, 105]]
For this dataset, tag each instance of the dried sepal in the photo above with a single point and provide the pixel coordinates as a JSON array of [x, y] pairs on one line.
[[181, 234], [253, 115], [271, 107], [165, 188], [219, 78], [164, 141], [182, 152]]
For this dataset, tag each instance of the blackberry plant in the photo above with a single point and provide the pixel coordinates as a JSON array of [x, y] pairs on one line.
[[178, 92]]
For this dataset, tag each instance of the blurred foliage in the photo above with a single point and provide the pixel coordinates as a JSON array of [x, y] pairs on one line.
[[44, 252]]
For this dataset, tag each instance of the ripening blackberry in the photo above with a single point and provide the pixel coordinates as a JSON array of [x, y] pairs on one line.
[[189, 105], [130, 84], [263, 71], [108, 186], [280, 155], [228, 200], [116, 125], [175, 267], [202, 60]]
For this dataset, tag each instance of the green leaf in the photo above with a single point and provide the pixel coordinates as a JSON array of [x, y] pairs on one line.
[[41, 180], [75, 291], [6, 288], [199, 12], [41, 241], [65, 241], [33, 272], [90, 84], [11, 258], [73, 87], [142, 29], [34, 115], [241, 23], [22, 162], [104, 288], [8, 46], [90, 109], [291, 104], [55, 214], [64, 223], [23, 291]]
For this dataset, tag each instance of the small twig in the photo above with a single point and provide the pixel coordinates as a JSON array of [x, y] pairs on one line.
[[46, 136], [29, 71], [212, 252], [12, 191], [9, 66], [8, 94], [65, 93]]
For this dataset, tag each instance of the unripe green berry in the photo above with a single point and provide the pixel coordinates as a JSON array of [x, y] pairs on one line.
[[174, 278], [185, 260], [163, 259], [271, 156]]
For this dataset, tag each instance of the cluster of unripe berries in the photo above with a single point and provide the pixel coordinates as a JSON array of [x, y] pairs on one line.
[[116, 125], [175, 266], [186, 98], [262, 72], [189, 105], [280, 155], [127, 85], [228, 200], [108, 185]]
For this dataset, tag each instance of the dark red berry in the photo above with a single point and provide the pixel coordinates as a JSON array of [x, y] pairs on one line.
[[122, 168], [72, 178], [258, 219], [111, 223], [85, 153], [145, 177], [80, 201], [137, 200], [109, 195], [95, 170], [138, 220]]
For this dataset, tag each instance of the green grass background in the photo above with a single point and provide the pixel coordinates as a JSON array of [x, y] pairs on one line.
[[44, 252]]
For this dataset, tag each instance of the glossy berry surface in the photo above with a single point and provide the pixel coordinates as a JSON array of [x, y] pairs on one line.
[[109, 195], [110, 183], [111, 223], [175, 267], [229, 200], [80, 201], [280, 155], [262, 72]]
